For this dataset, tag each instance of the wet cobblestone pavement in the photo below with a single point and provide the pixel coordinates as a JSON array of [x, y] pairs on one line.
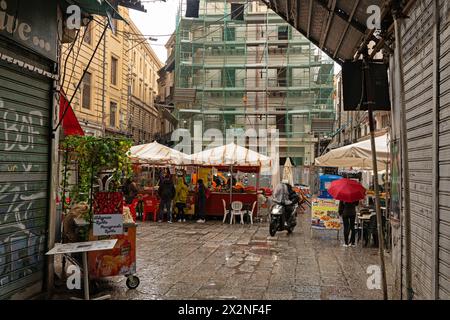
[[222, 261]]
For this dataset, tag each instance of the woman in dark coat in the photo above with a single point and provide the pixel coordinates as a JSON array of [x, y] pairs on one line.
[[201, 201], [347, 210]]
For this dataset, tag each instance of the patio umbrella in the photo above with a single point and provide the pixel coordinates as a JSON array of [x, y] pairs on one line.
[[288, 172], [347, 190]]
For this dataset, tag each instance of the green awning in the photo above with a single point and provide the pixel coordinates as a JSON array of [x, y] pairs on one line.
[[97, 7]]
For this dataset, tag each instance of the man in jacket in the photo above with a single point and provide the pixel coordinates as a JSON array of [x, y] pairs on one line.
[[166, 192]]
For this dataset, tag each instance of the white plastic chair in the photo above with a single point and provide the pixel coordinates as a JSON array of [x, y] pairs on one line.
[[251, 213], [236, 209], [225, 211]]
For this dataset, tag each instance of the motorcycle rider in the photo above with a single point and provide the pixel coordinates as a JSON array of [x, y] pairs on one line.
[[285, 195]]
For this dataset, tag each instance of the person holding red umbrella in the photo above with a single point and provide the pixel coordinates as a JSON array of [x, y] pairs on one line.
[[347, 210], [348, 192]]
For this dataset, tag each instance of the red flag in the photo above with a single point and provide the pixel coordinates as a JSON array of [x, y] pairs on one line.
[[70, 122]]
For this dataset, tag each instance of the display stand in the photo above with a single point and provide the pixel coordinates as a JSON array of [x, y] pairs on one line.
[[84, 248], [325, 216]]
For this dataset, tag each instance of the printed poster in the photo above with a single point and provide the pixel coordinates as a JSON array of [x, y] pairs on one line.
[[325, 214]]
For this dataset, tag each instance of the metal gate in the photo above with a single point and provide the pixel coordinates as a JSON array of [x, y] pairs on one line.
[[417, 50], [25, 104], [444, 154]]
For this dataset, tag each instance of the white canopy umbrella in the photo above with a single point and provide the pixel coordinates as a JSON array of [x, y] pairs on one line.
[[288, 172], [357, 155], [230, 155], [158, 154]]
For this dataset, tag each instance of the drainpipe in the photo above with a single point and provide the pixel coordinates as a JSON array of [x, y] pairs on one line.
[[104, 84], [435, 174], [397, 15]]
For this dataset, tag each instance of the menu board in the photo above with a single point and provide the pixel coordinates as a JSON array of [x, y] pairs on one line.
[[325, 214]]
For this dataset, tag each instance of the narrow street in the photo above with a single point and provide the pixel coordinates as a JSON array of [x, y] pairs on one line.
[[215, 261]]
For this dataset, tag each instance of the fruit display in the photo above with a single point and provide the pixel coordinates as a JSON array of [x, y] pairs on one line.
[[108, 203]]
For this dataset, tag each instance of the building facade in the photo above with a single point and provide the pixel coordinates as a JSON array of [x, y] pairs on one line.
[[117, 94], [241, 68], [144, 117], [165, 99]]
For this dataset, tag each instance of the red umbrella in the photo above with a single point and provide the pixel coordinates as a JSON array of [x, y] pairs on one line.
[[347, 190]]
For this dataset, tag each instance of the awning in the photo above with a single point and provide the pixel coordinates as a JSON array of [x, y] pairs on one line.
[[70, 123], [337, 27], [230, 155], [101, 7], [357, 155], [158, 154]]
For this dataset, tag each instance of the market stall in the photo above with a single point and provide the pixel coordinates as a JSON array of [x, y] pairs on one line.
[[149, 161], [232, 174]]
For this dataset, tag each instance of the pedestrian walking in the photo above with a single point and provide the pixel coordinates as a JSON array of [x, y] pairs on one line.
[[347, 210], [181, 195], [166, 192], [201, 201]]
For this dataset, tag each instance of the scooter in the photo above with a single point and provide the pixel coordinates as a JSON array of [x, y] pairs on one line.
[[280, 220]]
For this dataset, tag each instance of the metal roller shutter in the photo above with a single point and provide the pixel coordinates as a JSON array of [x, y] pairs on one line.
[[25, 104], [444, 154], [418, 71]]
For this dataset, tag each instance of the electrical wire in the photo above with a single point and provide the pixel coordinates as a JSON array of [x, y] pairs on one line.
[[68, 55], [81, 79], [76, 58]]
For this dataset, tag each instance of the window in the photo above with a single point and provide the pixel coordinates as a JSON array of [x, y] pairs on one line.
[[88, 34], [282, 77], [229, 34], [112, 114], [86, 91], [122, 120], [283, 33], [229, 77], [114, 63]]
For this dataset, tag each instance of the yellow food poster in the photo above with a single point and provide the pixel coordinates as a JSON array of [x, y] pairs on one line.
[[204, 174], [325, 214]]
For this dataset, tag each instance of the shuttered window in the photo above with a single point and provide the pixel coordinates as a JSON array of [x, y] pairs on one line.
[[114, 68], [86, 91]]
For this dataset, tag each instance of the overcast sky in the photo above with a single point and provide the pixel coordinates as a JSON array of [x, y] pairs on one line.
[[159, 20]]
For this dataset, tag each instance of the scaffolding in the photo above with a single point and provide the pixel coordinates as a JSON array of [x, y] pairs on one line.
[[256, 73]]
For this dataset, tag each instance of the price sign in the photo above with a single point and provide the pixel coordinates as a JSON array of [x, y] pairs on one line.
[[108, 224]]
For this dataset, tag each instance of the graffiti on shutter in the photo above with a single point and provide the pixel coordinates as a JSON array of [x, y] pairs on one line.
[[24, 122]]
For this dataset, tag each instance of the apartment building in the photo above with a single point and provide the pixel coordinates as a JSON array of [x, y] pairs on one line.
[[240, 66], [143, 120], [116, 95]]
